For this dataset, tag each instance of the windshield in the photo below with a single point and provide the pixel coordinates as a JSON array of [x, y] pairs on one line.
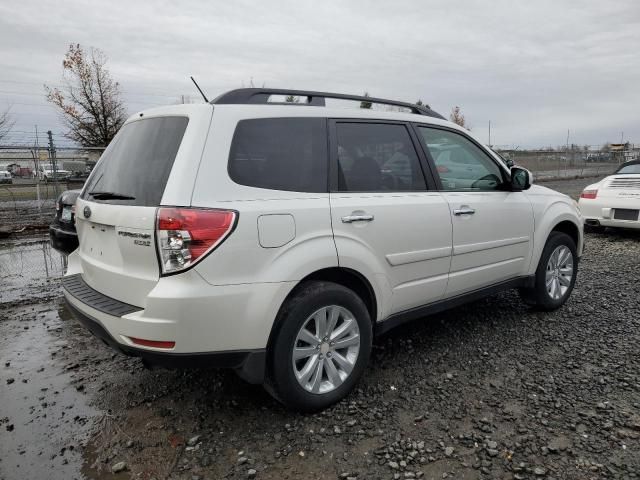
[[631, 168], [135, 167]]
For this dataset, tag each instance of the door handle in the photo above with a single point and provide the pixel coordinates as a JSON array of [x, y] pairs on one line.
[[464, 210], [357, 218]]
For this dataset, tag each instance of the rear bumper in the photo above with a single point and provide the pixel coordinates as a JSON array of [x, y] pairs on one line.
[[602, 212], [64, 241], [610, 222], [249, 364]]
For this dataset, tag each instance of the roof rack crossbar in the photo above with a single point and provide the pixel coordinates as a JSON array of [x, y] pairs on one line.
[[262, 95]]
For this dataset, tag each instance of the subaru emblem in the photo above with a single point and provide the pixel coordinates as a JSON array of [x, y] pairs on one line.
[[86, 212]]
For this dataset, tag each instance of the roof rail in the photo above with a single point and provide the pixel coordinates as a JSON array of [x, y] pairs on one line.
[[261, 96]]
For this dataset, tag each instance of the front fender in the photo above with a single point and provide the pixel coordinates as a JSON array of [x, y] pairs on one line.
[[546, 219]]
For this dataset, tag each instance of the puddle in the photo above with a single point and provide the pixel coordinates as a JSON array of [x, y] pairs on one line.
[[27, 266], [45, 417]]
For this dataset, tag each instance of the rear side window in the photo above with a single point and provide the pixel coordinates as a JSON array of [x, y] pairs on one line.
[[280, 154], [375, 157], [137, 163]]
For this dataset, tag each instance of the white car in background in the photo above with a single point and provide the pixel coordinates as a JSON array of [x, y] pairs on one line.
[[47, 174], [615, 200], [5, 177]]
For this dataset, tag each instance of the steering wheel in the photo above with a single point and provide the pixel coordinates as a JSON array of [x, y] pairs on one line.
[[491, 179]]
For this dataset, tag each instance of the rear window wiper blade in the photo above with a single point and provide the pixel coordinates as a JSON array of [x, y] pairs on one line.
[[110, 196]]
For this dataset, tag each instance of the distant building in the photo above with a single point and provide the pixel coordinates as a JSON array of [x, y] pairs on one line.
[[623, 152], [27, 157]]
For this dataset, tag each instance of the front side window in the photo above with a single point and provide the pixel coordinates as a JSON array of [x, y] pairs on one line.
[[374, 157], [460, 164], [280, 154]]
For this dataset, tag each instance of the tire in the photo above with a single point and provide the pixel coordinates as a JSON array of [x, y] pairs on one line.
[[540, 295], [318, 300]]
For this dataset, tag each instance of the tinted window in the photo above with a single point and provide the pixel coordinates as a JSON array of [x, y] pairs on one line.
[[280, 154], [138, 161], [460, 164], [377, 157], [631, 168]]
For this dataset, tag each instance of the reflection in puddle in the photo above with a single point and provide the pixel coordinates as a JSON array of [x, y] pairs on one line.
[[44, 410], [26, 265]]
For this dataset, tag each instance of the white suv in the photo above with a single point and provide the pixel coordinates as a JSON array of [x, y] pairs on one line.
[[276, 239]]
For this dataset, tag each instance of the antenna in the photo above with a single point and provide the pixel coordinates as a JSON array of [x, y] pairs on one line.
[[199, 89]]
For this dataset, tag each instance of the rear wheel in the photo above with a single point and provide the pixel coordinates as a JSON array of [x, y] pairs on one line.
[[555, 275], [321, 347]]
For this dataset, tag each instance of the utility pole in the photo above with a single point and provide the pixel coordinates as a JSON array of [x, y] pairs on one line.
[[566, 157], [489, 133], [36, 166], [52, 159]]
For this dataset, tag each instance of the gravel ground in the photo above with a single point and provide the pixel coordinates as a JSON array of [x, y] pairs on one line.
[[488, 390]]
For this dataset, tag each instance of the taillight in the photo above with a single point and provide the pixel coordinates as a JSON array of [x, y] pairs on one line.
[[442, 169], [590, 194], [186, 235]]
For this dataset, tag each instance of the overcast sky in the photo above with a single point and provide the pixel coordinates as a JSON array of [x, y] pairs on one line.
[[534, 69]]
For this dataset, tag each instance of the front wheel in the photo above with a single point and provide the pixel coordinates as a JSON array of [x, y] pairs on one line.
[[321, 346], [556, 274]]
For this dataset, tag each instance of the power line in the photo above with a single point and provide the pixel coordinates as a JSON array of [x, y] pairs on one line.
[[124, 92]]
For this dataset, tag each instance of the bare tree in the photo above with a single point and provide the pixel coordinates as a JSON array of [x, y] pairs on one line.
[[6, 123], [89, 100], [252, 84], [458, 118], [364, 104]]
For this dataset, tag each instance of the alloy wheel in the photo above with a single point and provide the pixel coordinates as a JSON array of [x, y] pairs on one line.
[[326, 349], [559, 272]]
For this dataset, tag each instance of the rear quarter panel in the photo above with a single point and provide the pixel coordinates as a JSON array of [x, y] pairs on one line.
[[242, 258]]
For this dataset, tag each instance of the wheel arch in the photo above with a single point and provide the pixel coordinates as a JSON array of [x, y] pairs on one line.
[[559, 216], [346, 277], [570, 228]]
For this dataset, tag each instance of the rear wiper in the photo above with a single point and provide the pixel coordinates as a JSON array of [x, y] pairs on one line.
[[110, 196]]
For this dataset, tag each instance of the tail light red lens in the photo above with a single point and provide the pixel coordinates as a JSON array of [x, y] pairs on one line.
[[589, 194], [442, 169], [186, 235]]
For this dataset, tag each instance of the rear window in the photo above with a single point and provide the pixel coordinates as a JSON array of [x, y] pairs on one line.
[[630, 168], [137, 162], [280, 154]]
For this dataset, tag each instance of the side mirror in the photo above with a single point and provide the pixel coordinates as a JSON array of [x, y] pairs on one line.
[[521, 179]]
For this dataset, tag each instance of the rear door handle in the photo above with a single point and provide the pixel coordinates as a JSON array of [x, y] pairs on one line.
[[357, 218], [464, 210]]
